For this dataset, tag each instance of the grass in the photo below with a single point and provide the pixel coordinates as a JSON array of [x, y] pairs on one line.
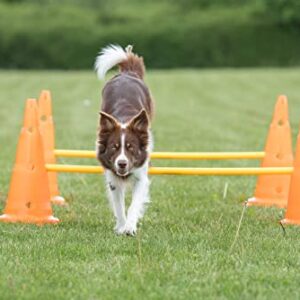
[[184, 248]]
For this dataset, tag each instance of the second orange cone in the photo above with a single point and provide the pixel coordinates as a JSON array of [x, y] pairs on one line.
[[46, 127], [273, 190]]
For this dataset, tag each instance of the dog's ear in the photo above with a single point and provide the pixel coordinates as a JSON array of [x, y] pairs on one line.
[[107, 122], [140, 122]]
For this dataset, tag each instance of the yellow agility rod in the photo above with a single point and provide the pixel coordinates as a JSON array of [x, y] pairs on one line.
[[178, 171], [172, 155]]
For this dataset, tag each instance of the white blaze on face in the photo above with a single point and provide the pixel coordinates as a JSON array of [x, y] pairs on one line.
[[122, 156]]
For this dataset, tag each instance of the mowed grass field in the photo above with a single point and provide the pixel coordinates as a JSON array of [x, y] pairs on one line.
[[185, 246]]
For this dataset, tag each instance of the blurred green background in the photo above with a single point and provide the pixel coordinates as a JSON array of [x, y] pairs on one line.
[[65, 34]]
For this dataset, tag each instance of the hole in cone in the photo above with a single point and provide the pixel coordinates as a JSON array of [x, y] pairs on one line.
[[280, 123], [30, 166], [43, 118]]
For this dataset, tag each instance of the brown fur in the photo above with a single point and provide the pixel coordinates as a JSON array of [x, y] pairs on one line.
[[134, 64], [124, 96]]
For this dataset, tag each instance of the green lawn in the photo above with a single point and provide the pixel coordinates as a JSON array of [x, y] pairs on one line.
[[183, 247]]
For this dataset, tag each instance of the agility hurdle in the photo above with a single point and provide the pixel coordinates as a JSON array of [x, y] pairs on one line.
[[34, 180], [172, 155], [177, 171]]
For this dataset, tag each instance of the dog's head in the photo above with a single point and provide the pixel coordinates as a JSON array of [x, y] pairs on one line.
[[122, 148]]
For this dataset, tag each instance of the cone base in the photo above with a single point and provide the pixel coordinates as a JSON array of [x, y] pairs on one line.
[[58, 200], [28, 219], [290, 222], [266, 202]]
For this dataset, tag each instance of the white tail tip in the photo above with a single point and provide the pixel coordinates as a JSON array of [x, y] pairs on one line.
[[109, 57]]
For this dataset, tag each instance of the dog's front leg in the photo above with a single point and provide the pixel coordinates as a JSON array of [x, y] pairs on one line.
[[140, 197], [116, 195]]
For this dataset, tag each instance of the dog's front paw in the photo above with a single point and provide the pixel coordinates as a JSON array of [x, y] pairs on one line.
[[127, 229], [130, 229]]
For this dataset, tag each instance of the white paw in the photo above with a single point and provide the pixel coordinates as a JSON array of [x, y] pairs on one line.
[[127, 229], [130, 229]]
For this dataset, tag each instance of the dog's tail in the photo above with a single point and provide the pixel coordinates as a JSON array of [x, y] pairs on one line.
[[113, 55]]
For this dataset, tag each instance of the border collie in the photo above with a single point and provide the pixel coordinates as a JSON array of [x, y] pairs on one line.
[[124, 140]]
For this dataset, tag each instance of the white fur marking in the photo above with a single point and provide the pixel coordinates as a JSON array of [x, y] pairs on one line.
[[109, 57], [150, 142], [122, 155]]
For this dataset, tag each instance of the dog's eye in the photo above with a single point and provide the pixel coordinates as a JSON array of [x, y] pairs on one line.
[[129, 146], [115, 147]]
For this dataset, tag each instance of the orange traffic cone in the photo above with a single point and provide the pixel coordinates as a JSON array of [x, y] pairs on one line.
[[29, 196], [273, 190], [292, 215], [46, 127]]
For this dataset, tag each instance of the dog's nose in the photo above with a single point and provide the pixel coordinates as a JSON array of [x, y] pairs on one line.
[[122, 164]]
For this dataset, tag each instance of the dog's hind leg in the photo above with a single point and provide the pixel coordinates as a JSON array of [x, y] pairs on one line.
[[116, 195]]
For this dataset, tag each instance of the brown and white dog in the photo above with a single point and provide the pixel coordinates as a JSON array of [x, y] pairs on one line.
[[124, 140]]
